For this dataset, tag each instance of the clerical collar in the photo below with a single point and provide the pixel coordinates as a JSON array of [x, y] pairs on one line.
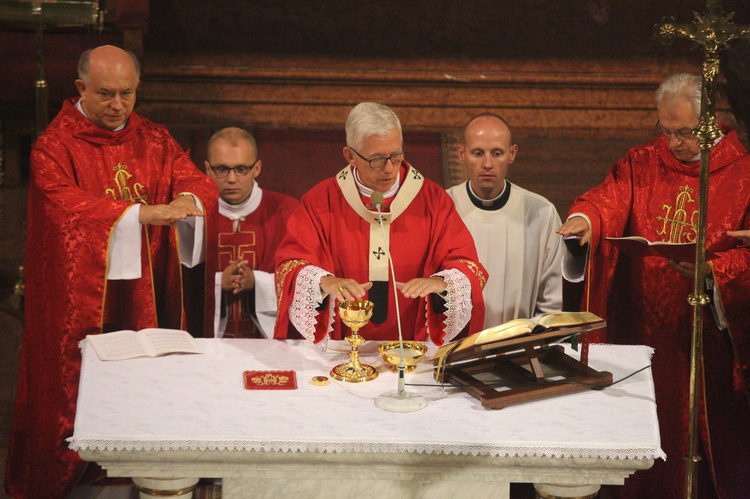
[[697, 157], [367, 192], [489, 204], [80, 109], [237, 212]]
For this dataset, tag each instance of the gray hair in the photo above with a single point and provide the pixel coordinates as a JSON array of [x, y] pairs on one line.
[[682, 85], [84, 66], [234, 136], [367, 119]]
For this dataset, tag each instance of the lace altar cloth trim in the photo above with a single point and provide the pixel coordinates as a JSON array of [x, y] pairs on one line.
[[361, 447], [199, 404]]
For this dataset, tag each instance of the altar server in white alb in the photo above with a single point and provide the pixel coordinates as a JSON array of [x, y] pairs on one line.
[[513, 229]]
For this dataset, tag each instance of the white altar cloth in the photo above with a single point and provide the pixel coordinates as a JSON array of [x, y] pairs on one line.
[[198, 403]]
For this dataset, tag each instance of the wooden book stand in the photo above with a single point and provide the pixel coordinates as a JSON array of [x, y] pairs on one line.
[[522, 370]]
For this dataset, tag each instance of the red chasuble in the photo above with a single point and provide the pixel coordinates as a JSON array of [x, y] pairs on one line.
[[650, 193], [254, 238], [83, 178], [426, 235]]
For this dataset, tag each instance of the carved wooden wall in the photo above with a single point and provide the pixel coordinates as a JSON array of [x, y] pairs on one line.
[[575, 78]]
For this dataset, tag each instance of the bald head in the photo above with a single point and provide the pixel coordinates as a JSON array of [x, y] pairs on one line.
[[487, 151], [234, 136], [487, 121], [107, 53], [107, 81]]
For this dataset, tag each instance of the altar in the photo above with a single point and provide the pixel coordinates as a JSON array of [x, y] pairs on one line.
[[170, 420]]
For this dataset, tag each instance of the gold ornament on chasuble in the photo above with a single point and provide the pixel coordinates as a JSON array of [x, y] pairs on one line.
[[679, 225], [237, 244], [474, 268], [123, 190]]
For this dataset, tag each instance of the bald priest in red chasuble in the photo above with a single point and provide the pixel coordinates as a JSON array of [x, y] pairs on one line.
[[108, 191], [335, 248], [653, 192]]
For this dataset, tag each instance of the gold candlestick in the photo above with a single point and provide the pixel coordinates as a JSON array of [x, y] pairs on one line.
[[355, 314]]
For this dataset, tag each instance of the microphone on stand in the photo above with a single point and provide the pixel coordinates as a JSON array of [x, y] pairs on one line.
[[400, 401]]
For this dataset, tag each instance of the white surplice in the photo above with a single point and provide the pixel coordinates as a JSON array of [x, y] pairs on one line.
[[518, 246]]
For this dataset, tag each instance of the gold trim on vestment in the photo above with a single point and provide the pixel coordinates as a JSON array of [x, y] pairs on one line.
[[282, 272]]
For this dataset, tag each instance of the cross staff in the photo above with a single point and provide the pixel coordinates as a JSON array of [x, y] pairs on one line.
[[713, 31]]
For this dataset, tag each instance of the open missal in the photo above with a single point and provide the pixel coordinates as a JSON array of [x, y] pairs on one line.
[[552, 326], [149, 342], [517, 362]]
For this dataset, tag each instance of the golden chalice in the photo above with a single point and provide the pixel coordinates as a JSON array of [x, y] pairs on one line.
[[355, 314], [414, 353]]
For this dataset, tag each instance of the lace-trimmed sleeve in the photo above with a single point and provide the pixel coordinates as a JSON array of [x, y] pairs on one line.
[[457, 302], [307, 298]]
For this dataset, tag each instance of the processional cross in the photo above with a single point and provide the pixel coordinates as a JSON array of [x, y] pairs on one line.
[[713, 31]]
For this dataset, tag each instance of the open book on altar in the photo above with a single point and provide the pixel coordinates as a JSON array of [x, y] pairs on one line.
[[510, 363], [640, 246], [149, 342], [512, 335]]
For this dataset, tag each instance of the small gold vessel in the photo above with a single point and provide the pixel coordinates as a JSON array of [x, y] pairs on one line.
[[414, 353]]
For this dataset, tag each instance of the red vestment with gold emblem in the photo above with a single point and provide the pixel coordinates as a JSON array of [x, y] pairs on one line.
[[427, 236], [650, 193], [83, 178], [254, 238]]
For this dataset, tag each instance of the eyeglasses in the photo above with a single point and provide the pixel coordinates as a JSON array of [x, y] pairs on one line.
[[682, 135], [240, 171], [395, 159]]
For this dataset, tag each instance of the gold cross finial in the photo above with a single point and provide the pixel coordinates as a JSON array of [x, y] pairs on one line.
[[712, 31]]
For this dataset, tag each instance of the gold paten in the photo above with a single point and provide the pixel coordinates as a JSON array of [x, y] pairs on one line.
[[414, 353], [355, 314]]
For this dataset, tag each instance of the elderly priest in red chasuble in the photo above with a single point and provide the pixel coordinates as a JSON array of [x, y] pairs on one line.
[[653, 192], [335, 249], [101, 255]]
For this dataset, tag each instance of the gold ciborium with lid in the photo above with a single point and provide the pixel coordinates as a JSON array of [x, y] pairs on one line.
[[355, 314]]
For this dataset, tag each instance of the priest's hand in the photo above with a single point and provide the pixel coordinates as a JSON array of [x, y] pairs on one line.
[[237, 277], [742, 235], [687, 269], [576, 226], [247, 278], [186, 203], [343, 289], [422, 286], [162, 214]]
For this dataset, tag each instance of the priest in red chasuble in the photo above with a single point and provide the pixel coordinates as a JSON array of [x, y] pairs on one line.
[[108, 191], [335, 248], [653, 193], [246, 228]]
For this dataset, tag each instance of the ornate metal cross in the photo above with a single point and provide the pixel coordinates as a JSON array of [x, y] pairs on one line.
[[713, 31]]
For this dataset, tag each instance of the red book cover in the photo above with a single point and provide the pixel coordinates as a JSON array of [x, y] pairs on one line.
[[270, 380]]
